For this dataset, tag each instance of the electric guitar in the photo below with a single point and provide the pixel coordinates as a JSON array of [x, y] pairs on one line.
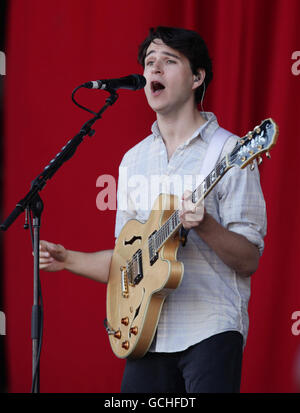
[[144, 268]]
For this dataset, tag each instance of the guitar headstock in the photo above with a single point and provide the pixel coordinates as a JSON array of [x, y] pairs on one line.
[[254, 144]]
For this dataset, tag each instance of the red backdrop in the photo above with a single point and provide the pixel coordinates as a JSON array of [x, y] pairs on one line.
[[54, 46]]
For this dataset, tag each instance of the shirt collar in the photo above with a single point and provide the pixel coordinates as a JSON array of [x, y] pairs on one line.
[[205, 131]]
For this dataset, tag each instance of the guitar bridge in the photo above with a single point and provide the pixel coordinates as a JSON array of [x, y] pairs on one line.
[[124, 282]]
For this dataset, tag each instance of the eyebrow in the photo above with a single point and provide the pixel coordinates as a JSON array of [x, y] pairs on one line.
[[165, 53]]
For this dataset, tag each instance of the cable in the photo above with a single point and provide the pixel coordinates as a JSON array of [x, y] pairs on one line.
[[203, 94], [78, 104]]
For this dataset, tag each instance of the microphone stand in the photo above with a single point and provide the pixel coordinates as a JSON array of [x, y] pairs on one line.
[[32, 203]]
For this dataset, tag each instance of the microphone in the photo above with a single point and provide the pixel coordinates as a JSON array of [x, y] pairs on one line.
[[132, 82]]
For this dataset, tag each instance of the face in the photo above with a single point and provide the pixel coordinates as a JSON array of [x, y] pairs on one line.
[[170, 81]]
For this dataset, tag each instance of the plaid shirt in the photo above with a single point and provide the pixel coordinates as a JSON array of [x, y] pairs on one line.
[[212, 298]]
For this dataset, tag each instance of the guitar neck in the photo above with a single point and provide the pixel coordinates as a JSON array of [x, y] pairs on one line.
[[210, 181], [173, 224]]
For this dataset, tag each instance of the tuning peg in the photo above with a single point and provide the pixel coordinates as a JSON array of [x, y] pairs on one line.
[[125, 345], [125, 321], [252, 166], [268, 155], [257, 130], [134, 330], [260, 159]]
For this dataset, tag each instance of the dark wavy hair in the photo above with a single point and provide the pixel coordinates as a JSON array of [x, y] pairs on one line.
[[187, 42]]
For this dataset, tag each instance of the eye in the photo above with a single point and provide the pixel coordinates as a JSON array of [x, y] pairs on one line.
[[170, 61], [149, 63]]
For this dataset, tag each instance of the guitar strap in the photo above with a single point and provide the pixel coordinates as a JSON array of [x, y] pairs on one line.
[[214, 150]]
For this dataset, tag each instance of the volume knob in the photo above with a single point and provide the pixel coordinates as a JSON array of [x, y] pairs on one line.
[[117, 334], [125, 321], [134, 330], [125, 345]]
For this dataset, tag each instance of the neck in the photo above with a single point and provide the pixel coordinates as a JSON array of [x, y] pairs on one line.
[[176, 128]]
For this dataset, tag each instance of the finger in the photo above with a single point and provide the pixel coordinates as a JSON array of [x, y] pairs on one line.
[[56, 251], [43, 254], [46, 260], [187, 193], [44, 266], [188, 224], [44, 245], [199, 210], [188, 206], [192, 219], [47, 246]]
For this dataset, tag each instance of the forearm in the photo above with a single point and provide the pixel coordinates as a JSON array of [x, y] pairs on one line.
[[233, 249], [91, 265]]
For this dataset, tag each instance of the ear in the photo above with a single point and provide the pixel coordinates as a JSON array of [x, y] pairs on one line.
[[199, 78]]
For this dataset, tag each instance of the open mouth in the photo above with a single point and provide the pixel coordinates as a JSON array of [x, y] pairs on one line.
[[156, 87]]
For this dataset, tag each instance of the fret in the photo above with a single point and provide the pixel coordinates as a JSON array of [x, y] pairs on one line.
[[166, 230], [207, 181], [199, 191], [221, 167], [206, 184], [172, 220], [156, 237], [194, 196], [213, 175], [169, 226]]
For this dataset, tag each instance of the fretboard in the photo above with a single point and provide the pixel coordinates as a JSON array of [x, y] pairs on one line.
[[173, 224]]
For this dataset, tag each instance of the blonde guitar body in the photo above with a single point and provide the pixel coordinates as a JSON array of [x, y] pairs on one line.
[[135, 299]]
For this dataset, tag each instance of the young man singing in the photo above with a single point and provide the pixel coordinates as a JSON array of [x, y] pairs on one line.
[[203, 325]]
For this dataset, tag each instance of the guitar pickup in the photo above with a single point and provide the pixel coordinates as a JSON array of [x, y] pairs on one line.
[[137, 267], [153, 255]]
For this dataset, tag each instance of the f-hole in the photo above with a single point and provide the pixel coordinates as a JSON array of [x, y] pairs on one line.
[[132, 240]]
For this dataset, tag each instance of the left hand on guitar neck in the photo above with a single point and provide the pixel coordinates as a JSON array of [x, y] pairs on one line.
[[190, 215]]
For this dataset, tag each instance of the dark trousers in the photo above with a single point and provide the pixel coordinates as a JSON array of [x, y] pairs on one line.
[[211, 366]]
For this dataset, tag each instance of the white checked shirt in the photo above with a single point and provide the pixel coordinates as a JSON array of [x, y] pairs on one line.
[[212, 298]]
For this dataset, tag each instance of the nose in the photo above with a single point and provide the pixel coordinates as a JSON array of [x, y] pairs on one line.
[[157, 67]]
